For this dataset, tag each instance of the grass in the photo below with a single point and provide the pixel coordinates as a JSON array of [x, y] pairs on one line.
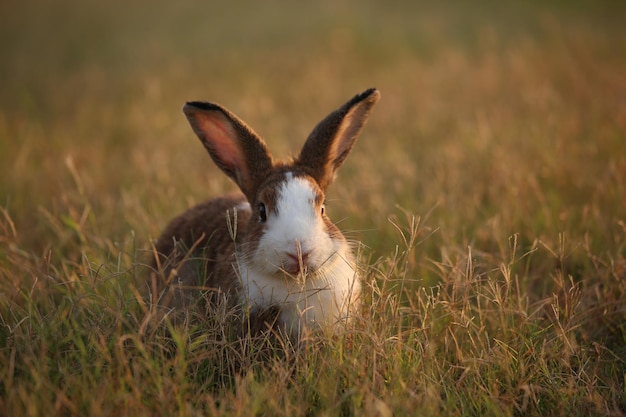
[[488, 190]]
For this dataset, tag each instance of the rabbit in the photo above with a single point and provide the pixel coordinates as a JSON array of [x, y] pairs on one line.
[[270, 248]]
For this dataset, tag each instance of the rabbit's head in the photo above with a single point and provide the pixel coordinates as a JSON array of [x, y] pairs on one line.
[[288, 232]]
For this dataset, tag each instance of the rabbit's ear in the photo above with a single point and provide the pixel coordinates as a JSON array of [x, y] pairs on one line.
[[330, 142], [236, 148]]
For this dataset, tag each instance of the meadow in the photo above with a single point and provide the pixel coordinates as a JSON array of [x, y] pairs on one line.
[[488, 190]]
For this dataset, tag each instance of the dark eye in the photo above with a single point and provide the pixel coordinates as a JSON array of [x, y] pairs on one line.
[[262, 213], [323, 210]]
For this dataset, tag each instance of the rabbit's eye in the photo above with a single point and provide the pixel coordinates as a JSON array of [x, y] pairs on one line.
[[323, 210], [262, 213]]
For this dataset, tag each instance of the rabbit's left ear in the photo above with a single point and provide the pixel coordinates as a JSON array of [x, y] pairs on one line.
[[332, 139]]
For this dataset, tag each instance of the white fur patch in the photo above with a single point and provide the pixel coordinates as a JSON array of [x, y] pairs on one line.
[[328, 291], [243, 206], [319, 301], [296, 221]]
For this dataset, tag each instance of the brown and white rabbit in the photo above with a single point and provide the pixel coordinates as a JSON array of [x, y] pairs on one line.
[[271, 248]]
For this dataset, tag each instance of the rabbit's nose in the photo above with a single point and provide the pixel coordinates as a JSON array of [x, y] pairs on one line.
[[299, 256], [297, 262]]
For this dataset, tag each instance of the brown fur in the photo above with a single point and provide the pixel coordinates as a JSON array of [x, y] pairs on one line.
[[194, 251]]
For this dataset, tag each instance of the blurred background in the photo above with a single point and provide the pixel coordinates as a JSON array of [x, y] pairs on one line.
[[496, 118], [488, 189]]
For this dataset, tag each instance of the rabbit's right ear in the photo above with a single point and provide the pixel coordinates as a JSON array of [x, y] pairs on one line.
[[332, 139], [235, 148]]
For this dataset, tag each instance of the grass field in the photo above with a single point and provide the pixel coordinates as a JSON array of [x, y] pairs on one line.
[[488, 189]]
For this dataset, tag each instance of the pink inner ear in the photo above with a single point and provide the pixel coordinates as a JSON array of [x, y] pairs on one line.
[[219, 133]]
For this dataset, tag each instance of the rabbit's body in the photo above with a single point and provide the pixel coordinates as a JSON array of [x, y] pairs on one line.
[[196, 247], [271, 248]]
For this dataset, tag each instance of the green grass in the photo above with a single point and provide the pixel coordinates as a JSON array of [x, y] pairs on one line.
[[488, 189]]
